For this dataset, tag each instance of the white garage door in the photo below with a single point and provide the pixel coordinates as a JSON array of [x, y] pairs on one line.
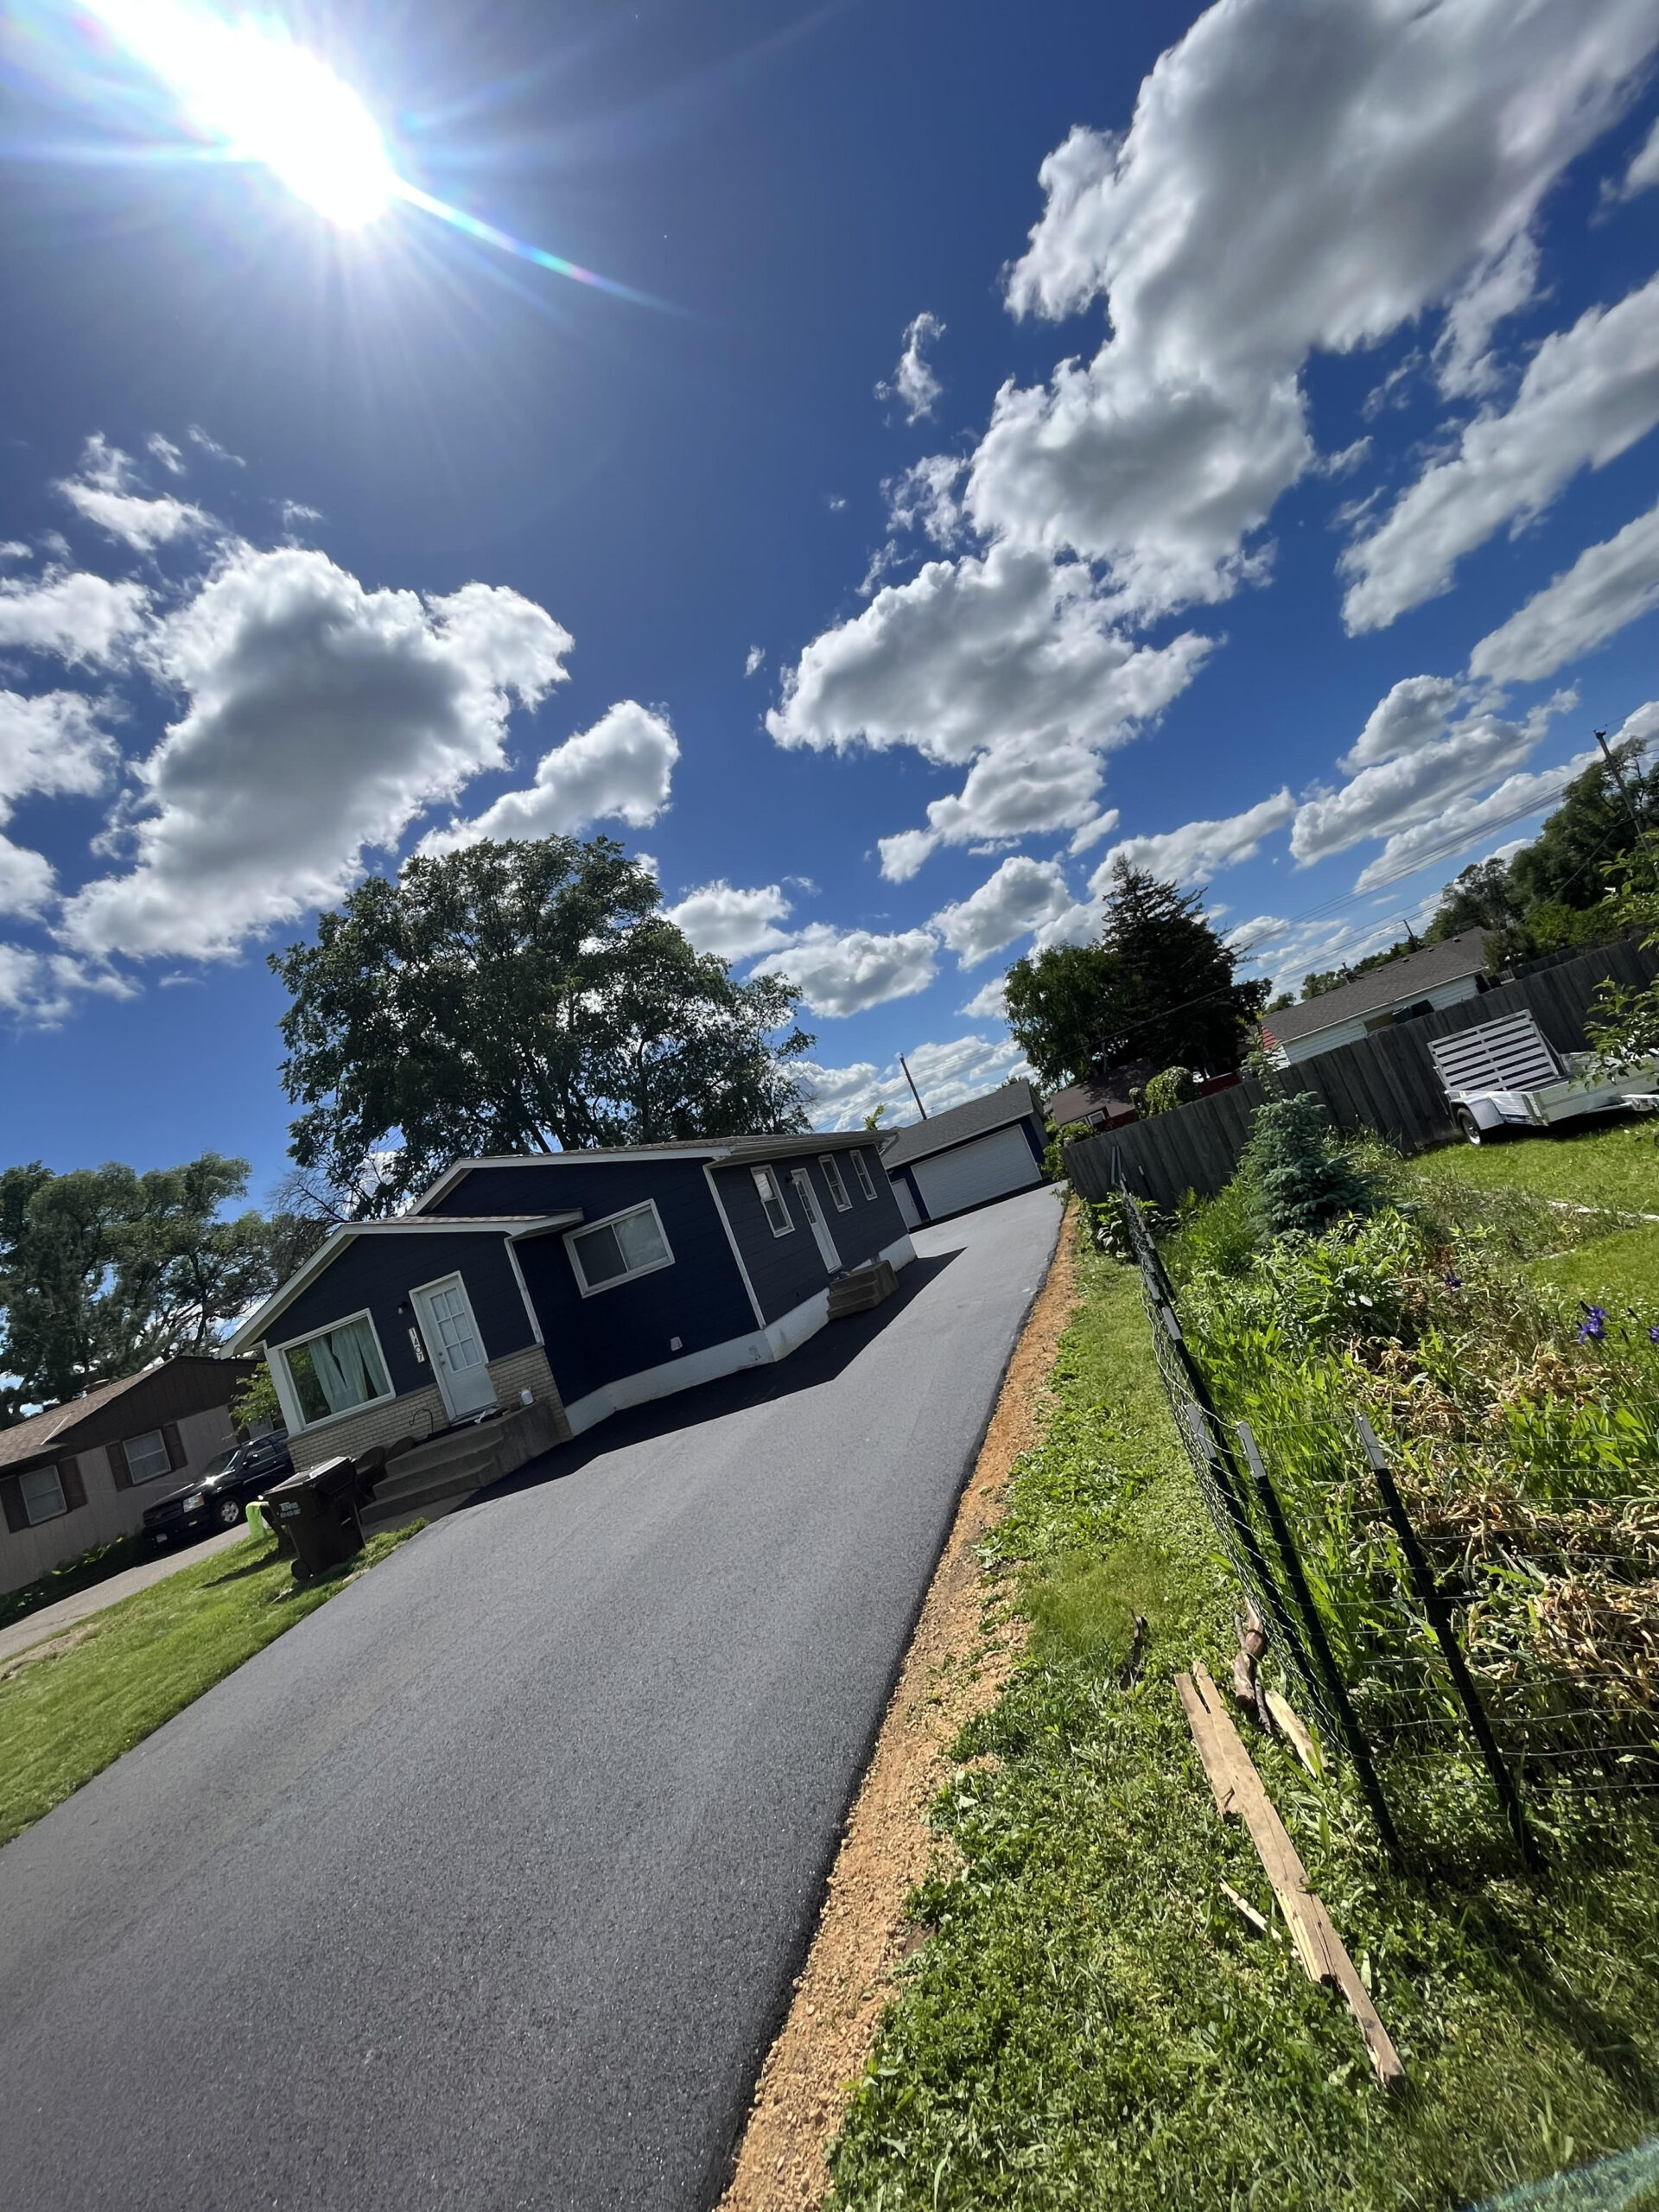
[[989, 1167]]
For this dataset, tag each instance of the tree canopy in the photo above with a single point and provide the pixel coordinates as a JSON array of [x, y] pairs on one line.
[[102, 1270], [1158, 984], [1552, 892], [522, 997]]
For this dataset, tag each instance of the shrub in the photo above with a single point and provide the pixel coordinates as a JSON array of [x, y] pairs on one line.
[[1174, 1087], [1301, 1178], [1054, 1151]]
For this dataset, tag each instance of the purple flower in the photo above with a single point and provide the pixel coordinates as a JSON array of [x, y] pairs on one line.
[[1594, 1327], [1453, 1280], [1652, 1336]]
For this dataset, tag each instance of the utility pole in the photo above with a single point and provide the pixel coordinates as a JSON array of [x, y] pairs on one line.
[[910, 1080], [1611, 759]]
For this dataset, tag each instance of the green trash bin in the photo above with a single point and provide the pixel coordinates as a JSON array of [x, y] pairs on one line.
[[317, 1511]]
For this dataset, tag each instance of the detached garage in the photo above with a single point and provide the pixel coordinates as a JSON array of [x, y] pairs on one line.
[[986, 1149]]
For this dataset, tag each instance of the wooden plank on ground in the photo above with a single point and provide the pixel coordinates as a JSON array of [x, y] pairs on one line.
[[1286, 1719], [1238, 1790]]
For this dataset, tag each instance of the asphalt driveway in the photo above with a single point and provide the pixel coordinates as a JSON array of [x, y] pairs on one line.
[[483, 1887]]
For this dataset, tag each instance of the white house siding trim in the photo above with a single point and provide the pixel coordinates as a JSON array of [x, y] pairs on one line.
[[725, 1224], [1365, 1024], [759, 1349], [109, 1512]]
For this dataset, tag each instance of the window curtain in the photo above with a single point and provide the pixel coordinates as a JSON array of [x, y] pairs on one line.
[[347, 1367]]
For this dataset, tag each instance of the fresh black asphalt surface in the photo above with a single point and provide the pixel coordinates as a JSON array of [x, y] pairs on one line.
[[484, 1886]]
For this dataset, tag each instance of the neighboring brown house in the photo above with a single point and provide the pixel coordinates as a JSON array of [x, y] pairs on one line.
[[81, 1473]]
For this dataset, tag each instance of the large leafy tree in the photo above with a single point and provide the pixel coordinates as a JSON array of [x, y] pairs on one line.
[[1552, 892], [519, 997], [102, 1270], [1158, 984]]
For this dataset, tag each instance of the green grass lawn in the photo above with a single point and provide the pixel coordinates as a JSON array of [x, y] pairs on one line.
[[1617, 1167], [1619, 1272], [123, 1672], [1090, 2024]]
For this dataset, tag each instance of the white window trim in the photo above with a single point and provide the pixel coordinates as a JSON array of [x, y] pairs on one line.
[[772, 1176], [862, 1168], [586, 1228], [835, 1182], [288, 1398], [156, 1473], [30, 1519]]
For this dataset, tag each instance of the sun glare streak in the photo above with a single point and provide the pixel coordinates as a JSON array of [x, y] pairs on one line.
[[245, 89], [472, 227]]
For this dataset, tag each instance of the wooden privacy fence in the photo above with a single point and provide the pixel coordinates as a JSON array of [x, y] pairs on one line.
[[1385, 1083]]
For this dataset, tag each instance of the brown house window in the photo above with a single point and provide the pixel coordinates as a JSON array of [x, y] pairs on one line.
[[148, 1456], [43, 1498]]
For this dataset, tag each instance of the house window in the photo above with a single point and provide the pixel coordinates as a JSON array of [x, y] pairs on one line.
[[43, 1498], [861, 1169], [831, 1168], [771, 1201], [146, 1456], [336, 1369], [629, 1244]]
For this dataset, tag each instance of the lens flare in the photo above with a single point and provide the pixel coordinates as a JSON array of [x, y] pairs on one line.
[[246, 87]]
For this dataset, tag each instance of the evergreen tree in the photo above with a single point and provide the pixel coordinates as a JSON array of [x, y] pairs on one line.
[[1158, 985]]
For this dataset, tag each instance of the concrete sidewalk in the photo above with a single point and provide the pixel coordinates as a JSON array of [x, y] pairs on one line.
[[52, 1620]]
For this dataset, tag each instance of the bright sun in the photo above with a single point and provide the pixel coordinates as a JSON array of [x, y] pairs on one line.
[[246, 86]]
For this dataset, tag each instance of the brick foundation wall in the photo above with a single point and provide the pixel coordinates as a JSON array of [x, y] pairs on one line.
[[421, 1413]]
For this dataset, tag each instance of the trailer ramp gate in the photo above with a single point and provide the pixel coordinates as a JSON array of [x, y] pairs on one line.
[[1509, 1055]]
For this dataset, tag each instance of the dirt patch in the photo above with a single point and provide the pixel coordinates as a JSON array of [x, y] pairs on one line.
[[53, 1648], [958, 1660]]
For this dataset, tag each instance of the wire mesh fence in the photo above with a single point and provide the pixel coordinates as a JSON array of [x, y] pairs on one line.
[[1516, 1637]]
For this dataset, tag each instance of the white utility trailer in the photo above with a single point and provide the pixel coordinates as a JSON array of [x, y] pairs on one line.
[[1506, 1075]]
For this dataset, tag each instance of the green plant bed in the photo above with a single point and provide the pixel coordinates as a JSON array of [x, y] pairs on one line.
[[83, 1572], [1090, 2023], [1617, 1167], [1620, 1273], [110, 1682]]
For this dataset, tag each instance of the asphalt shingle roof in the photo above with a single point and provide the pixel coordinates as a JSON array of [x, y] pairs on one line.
[[1408, 977], [975, 1117], [25, 1439]]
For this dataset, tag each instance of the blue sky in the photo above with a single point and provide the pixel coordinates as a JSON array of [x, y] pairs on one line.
[[1225, 437]]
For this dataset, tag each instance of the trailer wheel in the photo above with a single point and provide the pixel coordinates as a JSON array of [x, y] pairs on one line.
[[1472, 1132]]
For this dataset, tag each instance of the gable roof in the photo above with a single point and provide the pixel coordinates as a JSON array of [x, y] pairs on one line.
[[341, 1239], [36, 1434], [713, 1149], [975, 1117], [1404, 979]]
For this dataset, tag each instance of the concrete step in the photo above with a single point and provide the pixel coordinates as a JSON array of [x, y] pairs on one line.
[[435, 1477]]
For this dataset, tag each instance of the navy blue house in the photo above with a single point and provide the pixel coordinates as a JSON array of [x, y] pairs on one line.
[[582, 1281]]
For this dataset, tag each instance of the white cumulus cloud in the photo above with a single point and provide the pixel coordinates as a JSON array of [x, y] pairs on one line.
[[1412, 714], [73, 615], [720, 917], [840, 972], [321, 718], [1589, 393], [1011, 662], [1297, 177], [1459, 825], [620, 770], [50, 744], [1017, 898], [1197, 849], [105, 492], [1391, 795], [946, 1074], [914, 384], [1607, 587]]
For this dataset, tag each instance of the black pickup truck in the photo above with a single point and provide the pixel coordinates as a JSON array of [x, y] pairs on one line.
[[216, 1498]]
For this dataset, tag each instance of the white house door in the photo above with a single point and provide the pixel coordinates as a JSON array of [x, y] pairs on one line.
[[456, 1349], [827, 1251]]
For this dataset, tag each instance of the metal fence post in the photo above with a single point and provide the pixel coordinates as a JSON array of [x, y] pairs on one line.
[[1440, 1619], [1359, 1750]]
